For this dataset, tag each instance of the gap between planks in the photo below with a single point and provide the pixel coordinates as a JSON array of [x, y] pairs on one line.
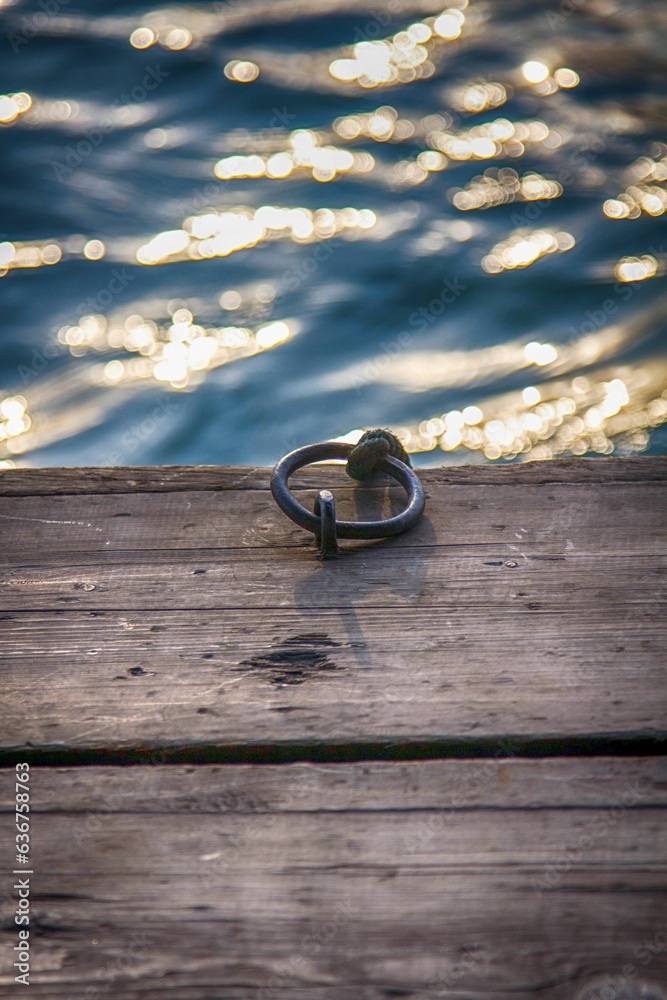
[[361, 881]]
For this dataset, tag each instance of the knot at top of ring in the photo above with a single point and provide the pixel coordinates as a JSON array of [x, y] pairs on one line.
[[380, 452]]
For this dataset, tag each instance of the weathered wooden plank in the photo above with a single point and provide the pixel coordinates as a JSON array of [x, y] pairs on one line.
[[170, 478], [527, 607], [383, 576], [561, 519], [288, 897], [498, 782], [363, 935], [121, 679], [508, 610]]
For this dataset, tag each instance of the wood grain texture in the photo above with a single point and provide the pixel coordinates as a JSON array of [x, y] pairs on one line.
[[200, 619], [171, 478], [220, 679], [560, 519], [150, 613], [497, 879], [499, 782]]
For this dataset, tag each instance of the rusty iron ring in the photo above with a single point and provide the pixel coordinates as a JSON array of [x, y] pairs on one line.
[[345, 529]]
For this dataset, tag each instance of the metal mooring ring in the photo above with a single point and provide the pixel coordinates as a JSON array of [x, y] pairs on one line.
[[325, 536], [346, 529]]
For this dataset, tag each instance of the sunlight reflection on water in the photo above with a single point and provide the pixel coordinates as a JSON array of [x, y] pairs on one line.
[[295, 221]]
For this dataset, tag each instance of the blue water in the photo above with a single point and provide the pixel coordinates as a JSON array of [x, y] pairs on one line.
[[508, 331]]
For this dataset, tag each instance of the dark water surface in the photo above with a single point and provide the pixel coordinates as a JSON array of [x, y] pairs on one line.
[[231, 229]]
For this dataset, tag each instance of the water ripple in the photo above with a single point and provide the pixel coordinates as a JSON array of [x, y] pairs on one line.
[[230, 230]]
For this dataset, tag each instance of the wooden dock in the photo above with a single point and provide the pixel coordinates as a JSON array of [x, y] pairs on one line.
[[433, 767]]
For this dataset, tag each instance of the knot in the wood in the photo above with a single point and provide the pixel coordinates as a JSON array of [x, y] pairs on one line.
[[371, 448]]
